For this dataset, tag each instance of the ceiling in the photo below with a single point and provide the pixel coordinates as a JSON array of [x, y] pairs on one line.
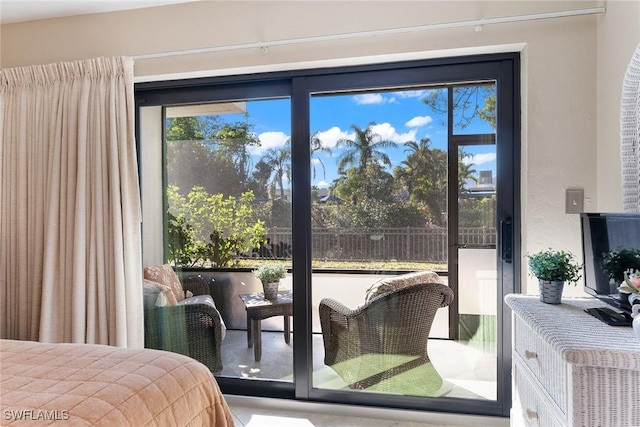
[[12, 11]]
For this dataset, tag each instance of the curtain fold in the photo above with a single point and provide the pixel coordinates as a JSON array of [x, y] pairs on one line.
[[630, 135], [70, 256]]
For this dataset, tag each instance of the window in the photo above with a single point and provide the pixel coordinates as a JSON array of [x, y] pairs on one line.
[[344, 177]]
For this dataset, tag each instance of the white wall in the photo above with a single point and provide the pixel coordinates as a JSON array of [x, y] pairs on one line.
[[572, 71]]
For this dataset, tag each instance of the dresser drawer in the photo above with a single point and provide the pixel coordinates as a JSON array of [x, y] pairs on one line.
[[599, 399], [544, 363], [533, 410]]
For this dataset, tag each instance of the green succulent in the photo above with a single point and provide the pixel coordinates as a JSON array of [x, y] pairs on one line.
[[553, 265]]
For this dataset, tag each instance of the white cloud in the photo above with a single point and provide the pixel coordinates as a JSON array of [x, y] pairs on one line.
[[386, 131], [479, 159], [331, 136], [270, 140], [389, 98], [373, 98], [410, 93], [419, 121], [482, 158], [323, 184]]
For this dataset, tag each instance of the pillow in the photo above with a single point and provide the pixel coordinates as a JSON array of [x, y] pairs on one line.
[[162, 293], [390, 284], [164, 274]]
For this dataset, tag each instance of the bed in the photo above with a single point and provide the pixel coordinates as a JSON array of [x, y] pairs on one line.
[[98, 385]]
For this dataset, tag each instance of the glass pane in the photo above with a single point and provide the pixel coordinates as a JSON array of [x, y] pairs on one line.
[[474, 109], [477, 327], [477, 264], [228, 195], [380, 182]]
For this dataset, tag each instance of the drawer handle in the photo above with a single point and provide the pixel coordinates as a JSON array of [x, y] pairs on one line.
[[532, 415], [530, 355]]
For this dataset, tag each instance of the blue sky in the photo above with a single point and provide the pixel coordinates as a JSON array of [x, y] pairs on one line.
[[400, 116]]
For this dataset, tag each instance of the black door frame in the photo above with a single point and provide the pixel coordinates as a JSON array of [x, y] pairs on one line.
[[503, 68]]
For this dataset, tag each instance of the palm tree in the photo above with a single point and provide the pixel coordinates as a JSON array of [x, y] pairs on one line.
[[279, 159], [417, 164], [316, 147], [465, 172], [260, 178], [424, 173], [366, 148], [235, 139]]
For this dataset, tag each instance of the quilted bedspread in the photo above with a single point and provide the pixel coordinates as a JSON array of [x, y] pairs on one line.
[[98, 385]]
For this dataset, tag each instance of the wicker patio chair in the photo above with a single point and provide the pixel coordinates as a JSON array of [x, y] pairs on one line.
[[194, 327], [388, 327]]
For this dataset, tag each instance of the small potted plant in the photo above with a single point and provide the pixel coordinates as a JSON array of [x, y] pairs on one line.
[[270, 275], [553, 269]]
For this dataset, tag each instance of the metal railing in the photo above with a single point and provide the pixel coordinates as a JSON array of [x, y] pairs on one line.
[[380, 244]]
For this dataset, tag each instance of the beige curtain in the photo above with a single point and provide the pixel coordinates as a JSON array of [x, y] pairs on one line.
[[70, 248]]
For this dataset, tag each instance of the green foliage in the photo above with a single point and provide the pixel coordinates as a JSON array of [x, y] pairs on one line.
[[269, 273], [617, 261], [211, 228], [555, 266], [217, 154], [182, 250], [373, 183], [260, 178], [198, 163], [488, 112], [233, 142], [370, 213], [423, 174], [275, 213], [213, 222], [191, 128], [184, 128], [477, 212]]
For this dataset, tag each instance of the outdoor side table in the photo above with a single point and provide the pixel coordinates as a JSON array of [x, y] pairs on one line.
[[259, 308]]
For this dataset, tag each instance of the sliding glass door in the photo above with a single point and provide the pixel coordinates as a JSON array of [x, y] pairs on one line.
[[352, 178]]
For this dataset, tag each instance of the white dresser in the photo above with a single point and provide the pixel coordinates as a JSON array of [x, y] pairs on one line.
[[569, 368]]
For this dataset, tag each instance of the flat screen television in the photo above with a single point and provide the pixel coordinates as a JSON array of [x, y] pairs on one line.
[[610, 246]]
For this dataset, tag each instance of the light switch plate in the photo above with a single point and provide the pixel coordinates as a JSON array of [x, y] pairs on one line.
[[574, 201]]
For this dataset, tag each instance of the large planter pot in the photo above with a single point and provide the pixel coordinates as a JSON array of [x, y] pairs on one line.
[[551, 291], [270, 290]]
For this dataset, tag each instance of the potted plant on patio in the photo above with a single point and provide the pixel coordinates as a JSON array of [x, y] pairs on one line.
[[553, 269], [270, 275]]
